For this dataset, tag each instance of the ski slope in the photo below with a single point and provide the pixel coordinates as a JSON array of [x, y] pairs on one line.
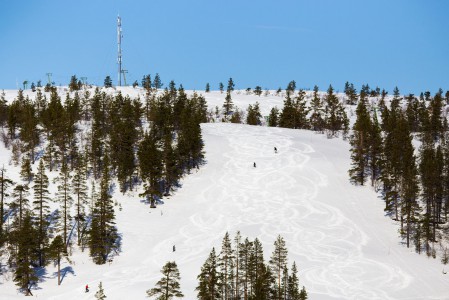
[[344, 246]]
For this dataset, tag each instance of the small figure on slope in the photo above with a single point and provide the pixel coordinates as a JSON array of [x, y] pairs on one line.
[[87, 288], [174, 248], [254, 165], [275, 150]]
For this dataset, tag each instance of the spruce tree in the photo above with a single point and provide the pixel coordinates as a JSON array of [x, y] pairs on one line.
[[168, 286], [293, 284], [25, 240], [100, 293], [103, 232], [207, 88], [360, 145], [150, 163], [57, 251], [64, 197], [273, 117], [26, 172], [108, 82], [253, 116], [20, 202], [317, 116], [225, 263], [227, 106], [221, 87], [79, 189], [5, 183], [208, 284], [41, 198], [278, 261]]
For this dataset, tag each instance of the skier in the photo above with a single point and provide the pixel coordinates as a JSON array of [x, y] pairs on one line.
[[174, 248], [87, 288], [254, 164], [275, 150]]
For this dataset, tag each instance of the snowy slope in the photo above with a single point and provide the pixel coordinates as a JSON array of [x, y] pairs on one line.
[[343, 245]]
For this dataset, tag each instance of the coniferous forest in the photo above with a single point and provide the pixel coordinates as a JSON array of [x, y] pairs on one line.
[[110, 142], [95, 144]]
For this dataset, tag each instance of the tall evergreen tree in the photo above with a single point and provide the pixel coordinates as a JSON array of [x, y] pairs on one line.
[[57, 251], [168, 286], [100, 295], [208, 279], [273, 118], [5, 183], [25, 239], [360, 144], [64, 197], [79, 189], [317, 116], [253, 116], [103, 232], [278, 261], [41, 199], [225, 263]]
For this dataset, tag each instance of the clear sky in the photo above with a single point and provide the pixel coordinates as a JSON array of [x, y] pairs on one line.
[[262, 42]]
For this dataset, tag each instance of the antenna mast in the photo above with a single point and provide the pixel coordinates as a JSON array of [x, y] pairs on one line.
[[119, 41]]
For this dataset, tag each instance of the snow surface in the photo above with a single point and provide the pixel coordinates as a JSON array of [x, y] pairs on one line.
[[344, 246]]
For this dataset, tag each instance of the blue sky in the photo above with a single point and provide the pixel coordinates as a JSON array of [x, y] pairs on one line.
[[384, 43]]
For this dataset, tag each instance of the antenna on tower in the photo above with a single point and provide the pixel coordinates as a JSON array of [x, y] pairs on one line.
[[119, 57]]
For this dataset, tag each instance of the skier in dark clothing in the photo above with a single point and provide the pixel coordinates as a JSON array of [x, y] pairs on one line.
[[254, 165], [275, 150], [174, 248], [87, 288]]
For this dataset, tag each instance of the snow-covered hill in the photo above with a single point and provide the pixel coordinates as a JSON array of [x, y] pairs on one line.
[[344, 246]]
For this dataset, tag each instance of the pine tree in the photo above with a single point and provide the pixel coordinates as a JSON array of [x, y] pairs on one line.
[[208, 285], [150, 163], [207, 88], [56, 251], [5, 183], [293, 284], [360, 145], [273, 118], [26, 172], [225, 263], [303, 294], [278, 261], [157, 83], [335, 116], [79, 189], [100, 293], [253, 117], [231, 86], [103, 232], [221, 87], [288, 113], [301, 111], [227, 105], [41, 198], [20, 202], [108, 82], [375, 150], [168, 286], [25, 239], [64, 197], [317, 116]]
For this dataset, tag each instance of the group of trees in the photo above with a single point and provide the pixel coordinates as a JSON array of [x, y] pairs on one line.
[[238, 272], [413, 184], [321, 114], [99, 138]]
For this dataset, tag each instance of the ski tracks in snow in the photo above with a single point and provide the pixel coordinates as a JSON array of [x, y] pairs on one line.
[[279, 196]]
